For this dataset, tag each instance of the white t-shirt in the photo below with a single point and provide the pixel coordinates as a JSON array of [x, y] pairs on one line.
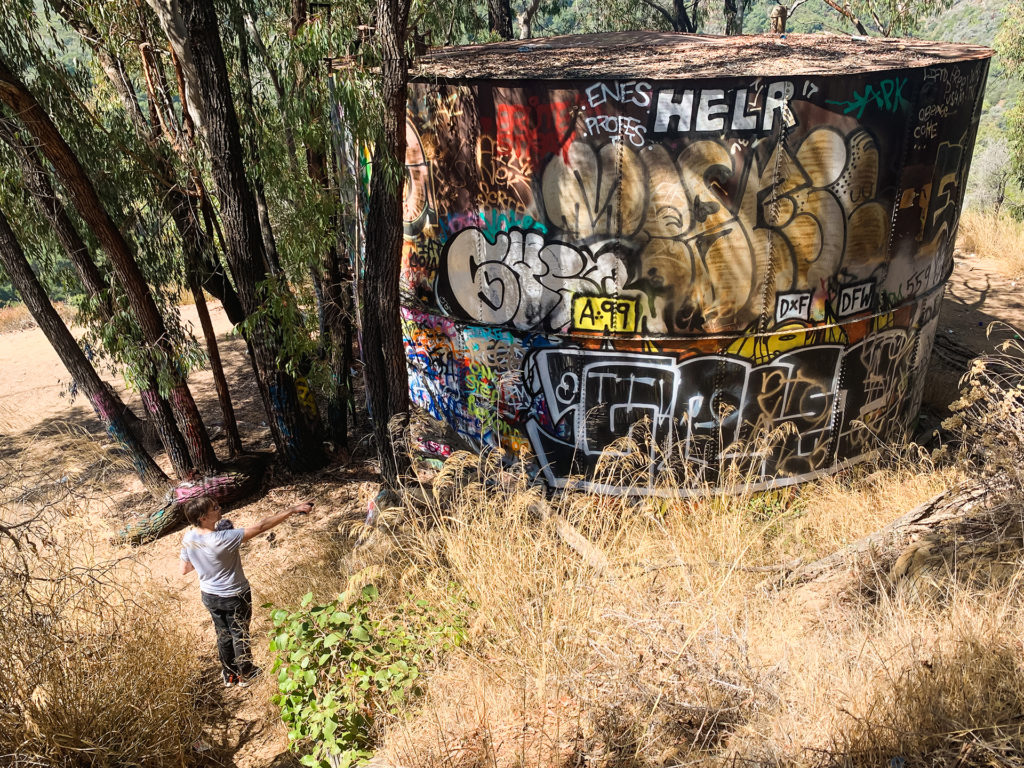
[[216, 559]]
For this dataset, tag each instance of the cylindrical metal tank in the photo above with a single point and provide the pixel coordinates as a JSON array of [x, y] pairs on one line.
[[728, 251]]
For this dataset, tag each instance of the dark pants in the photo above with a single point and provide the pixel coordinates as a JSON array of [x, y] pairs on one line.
[[231, 617]]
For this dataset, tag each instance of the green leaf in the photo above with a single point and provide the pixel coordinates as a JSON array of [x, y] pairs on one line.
[[370, 592], [332, 640], [306, 599], [359, 633]]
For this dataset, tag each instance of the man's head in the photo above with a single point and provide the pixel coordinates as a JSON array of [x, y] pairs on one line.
[[203, 512]]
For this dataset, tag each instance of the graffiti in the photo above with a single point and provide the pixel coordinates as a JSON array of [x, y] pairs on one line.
[[494, 222], [793, 306], [619, 91], [729, 272], [697, 229], [306, 400], [598, 313], [887, 96], [618, 127], [534, 129], [688, 416], [707, 110], [856, 298], [519, 279]]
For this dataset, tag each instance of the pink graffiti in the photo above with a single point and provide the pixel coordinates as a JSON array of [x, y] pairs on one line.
[[435, 448]]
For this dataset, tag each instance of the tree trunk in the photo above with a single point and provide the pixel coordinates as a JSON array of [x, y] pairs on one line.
[[275, 81], [200, 262], [525, 19], [212, 274], [499, 16], [328, 280], [239, 480], [16, 96], [384, 363], [192, 26], [683, 22], [273, 260], [734, 11], [107, 409], [37, 182], [220, 383]]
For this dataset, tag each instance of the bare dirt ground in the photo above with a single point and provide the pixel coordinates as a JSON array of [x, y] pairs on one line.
[[48, 436]]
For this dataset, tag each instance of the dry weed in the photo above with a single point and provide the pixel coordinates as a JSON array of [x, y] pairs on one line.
[[16, 317], [673, 644], [999, 237], [96, 670]]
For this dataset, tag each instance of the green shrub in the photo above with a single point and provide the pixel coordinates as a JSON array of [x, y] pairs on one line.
[[339, 669]]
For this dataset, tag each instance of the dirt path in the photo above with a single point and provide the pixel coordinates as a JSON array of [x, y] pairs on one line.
[[48, 436], [977, 296]]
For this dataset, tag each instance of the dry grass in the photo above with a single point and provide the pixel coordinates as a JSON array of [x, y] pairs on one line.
[[97, 670], [687, 648], [16, 317], [998, 237]]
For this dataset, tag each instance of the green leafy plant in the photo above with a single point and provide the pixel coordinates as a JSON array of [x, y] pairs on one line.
[[339, 669]]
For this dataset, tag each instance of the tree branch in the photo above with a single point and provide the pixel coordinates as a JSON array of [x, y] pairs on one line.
[[662, 11], [847, 13]]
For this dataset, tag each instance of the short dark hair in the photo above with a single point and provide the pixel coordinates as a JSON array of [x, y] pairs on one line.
[[196, 509]]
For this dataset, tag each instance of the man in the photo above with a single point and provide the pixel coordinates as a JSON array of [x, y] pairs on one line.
[[213, 553]]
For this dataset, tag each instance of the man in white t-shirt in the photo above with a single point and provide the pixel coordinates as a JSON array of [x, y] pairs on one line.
[[213, 553]]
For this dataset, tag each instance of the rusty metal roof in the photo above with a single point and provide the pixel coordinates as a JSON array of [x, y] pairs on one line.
[[670, 55]]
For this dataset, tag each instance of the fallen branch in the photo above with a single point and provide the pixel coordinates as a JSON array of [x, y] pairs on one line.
[[792, 565], [949, 505], [579, 543], [240, 480]]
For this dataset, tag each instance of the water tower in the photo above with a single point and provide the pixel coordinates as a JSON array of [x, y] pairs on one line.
[[730, 251]]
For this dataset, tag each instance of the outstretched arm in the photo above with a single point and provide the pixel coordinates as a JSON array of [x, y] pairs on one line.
[[267, 523]]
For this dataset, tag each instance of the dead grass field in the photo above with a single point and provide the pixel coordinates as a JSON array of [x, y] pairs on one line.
[[997, 237]]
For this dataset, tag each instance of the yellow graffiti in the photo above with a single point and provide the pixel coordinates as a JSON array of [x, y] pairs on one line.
[[306, 401], [762, 349], [602, 313]]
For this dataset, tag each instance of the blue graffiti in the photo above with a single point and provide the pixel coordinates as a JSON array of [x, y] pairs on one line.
[[495, 222]]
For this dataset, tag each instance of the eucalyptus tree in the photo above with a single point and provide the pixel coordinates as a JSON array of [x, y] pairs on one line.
[[1010, 44], [16, 96], [167, 137], [192, 29], [109, 409], [499, 18], [98, 300]]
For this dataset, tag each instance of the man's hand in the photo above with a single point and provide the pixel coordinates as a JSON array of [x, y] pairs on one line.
[[302, 508]]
